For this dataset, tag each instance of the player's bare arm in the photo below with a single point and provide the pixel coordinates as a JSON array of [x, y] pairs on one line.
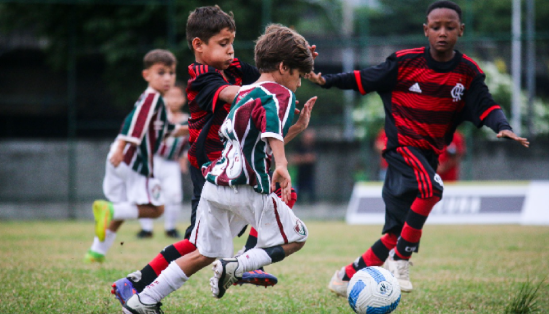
[[511, 135], [118, 154], [316, 78], [303, 121], [229, 93], [280, 174]]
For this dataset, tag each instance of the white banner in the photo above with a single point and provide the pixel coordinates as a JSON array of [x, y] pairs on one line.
[[471, 202]]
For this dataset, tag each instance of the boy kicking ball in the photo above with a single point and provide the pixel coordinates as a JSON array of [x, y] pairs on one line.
[[238, 188]]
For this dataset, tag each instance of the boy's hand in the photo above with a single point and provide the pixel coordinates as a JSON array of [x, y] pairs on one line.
[[305, 115], [116, 158], [511, 135], [282, 177], [312, 49], [316, 78]]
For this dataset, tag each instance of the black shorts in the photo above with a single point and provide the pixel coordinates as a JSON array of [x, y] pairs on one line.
[[198, 183], [411, 174]]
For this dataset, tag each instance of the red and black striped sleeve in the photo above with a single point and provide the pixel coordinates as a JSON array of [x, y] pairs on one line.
[[378, 78], [250, 74], [207, 84]]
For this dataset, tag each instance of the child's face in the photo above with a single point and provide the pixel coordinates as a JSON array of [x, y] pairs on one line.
[[443, 28], [218, 51], [175, 99], [160, 77], [291, 79]]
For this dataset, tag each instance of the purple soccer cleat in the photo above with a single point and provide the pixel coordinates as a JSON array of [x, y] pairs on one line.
[[123, 290], [259, 278]]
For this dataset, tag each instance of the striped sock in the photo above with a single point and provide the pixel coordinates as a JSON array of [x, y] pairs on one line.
[[374, 256]]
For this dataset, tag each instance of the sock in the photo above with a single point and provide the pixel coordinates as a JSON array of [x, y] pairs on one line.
[[161, 261], [293, 197], [171, 279], [374, 256], [251, 242], [254, 259], [170, 216], [408, 241], [103, 247], [124, 211], [147, 224]]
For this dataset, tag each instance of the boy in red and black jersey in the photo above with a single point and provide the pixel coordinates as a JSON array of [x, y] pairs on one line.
[[427, 92]]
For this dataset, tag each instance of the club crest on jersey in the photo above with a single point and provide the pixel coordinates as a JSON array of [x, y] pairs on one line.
[[457, 92], [155, 191], [300, 228]]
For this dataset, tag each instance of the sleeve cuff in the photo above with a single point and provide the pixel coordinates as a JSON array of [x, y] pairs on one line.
[[129, 139], [272, 135]]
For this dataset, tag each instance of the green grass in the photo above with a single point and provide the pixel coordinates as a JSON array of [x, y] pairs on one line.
[[460, 269]]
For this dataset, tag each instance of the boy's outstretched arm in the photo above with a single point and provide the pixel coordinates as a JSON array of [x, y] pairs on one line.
[[316, 78], [280, 174], [511, 135], [302, 122]]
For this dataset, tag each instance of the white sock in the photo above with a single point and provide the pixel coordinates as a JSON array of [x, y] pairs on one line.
[[254, 259], [147, 224], [124, 211], [170, 216], [103, 247], [171, 279]]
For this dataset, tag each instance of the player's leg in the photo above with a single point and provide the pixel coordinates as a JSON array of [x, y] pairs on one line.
[[276, 241], [173, 194], [147, 226]]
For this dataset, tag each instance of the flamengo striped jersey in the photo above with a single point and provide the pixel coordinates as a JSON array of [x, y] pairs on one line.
[[425, 100], [262, 110], [145, 127], [207, 113]]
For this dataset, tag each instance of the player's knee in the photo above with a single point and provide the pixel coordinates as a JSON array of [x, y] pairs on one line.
[[158, 211]]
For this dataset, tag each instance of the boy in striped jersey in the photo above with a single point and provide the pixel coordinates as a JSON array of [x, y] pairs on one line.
[[169, 163], [427, 92], [239, 189], [129, 185]]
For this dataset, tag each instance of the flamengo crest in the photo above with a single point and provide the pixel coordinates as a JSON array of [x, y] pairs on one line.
[[457, 92]]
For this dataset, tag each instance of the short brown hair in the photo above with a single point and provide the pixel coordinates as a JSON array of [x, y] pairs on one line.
[[158, 56], [206, 22], [282, 44]]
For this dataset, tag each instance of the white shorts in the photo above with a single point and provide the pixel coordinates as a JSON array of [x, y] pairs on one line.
[[223, 211], [169, 174], [122, 184]]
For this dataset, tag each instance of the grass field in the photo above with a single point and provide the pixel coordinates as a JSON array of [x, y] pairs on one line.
[[460, 269]]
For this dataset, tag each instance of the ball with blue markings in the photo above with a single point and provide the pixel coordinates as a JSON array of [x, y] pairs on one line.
[[373, 290]]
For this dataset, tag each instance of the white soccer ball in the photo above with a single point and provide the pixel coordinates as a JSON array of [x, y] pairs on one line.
[[373, 290]]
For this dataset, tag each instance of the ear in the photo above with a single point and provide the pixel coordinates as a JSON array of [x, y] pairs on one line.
[[425, 29], [145, 74], [282, 68], [461, 29], [197, 44]]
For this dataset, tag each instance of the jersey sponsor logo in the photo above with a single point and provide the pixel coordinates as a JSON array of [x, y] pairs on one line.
[[457, 92], [300, 228], [158, 125], [438, 179], [415, 88]]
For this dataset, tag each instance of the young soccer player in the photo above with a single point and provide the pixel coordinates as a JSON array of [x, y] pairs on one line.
[[129, 185], [215, 78], [169, 162], [426, 93], [238, 188]]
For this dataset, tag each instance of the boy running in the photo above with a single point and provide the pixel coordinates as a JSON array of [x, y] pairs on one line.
[[129, 185], [239, 189], [427, 92]]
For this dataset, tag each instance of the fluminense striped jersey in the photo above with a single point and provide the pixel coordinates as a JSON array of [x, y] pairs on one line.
[[173, 148], [425, 100], [261, 111], [145, 127], [207, 112]]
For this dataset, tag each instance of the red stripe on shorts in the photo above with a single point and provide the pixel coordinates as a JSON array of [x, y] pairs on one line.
[[279, 222]]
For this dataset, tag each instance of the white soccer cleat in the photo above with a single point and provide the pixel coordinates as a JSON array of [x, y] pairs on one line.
[[134, 306], [401, 270], [226, 273], [337, 285]]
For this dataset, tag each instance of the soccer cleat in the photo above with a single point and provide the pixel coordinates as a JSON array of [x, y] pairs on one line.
[[226, 273], [257, 277], [93, 257], [102, 213], [401, 270], [143, 234], [123, 290], [337, 285], [134, 306], [173, 234]]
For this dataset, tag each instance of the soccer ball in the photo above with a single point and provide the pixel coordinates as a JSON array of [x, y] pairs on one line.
[[373, 290]]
